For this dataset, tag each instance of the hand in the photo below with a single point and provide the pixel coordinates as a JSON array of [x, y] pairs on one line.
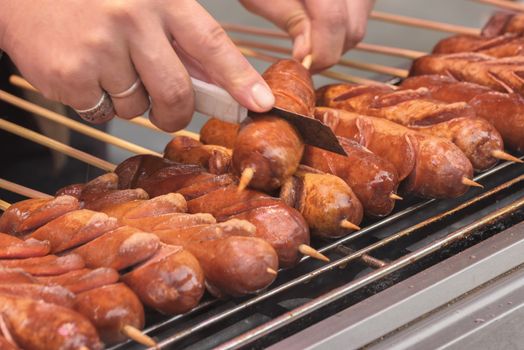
[[73, 51], [326, 29]]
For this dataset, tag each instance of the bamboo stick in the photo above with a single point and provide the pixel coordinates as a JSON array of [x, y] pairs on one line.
[[374, 48], [58, 146], [74, 125], [327, 73], [423, 23], [22, 190], [4, 205], [20, 82], [377, 68], [503, 4]]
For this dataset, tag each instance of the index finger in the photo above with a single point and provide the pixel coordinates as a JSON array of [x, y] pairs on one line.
[[201, 37]]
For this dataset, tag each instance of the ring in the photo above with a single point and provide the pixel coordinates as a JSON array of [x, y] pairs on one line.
[[101, 112], [127, 92]]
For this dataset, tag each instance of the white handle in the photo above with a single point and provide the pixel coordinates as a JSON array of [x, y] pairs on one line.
[[214, 101]]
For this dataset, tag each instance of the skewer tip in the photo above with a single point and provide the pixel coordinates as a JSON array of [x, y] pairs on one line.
[[499, 154], [245, 178], [310, 251], [138, 336], [469, 182], [349, 225], [307, 61], [271, 271], [395, 197]]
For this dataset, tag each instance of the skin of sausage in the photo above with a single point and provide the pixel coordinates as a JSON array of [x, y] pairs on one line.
[[372, 178], [48, 265], [79, 281], [459, 43], [218, 132], [27, 215], [156, 175], [7, 345], [440, 178], [277, 223], [385, 139], [439, 168], [14, 248], [208, 185], [504, 111], [74, 190], [15, 275], [119, 249], [213, 202], [324, 200], [36, 325], [110, 308], [50, 294], [476, 137], [171, 282], [74, 228], [114, 197], [271, 147], [182, 149]]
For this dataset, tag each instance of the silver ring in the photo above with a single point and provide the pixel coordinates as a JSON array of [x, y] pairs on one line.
[[127, 92], [101, 112]]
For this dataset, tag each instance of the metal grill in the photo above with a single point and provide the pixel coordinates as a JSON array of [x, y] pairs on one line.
[[419, 234]]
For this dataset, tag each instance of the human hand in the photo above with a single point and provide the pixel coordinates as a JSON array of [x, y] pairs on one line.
[[326, 29], [73, 51]]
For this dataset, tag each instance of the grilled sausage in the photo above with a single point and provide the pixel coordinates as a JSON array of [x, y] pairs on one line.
[[456, 122], [324, 201], [220, 133], [268, 145], [171, 282], [79, 281], [503, 22], [50, 294], [110, 308], [25, 216], [15, 248], [183, 149], [74, 228], [507, 45], [500, 74], [372, 178], [219, 248], [438, 166], [504, 111], [38, 325], [119, 249], [15, 275], [48, 265]]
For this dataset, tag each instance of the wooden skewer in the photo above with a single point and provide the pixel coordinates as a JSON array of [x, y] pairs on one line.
[[83, 347], [469, 182], [505, 156], [245, 178], [349, 225], [271, 271], [3, 204], [423, 23], [72, 124], [372, 67], [310, 251], [22, 190], [395, 196], [59, 146], [138, 336], [20, 82], [327, 73], [503, 4], [307, 61], [381, 49]]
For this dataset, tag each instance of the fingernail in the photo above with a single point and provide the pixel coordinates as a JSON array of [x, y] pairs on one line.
[[262, 96]]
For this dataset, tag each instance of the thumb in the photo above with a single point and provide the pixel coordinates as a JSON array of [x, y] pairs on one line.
[[289, 15]]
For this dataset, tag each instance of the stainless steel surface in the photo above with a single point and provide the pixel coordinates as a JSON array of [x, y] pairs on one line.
[[422, 295]]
